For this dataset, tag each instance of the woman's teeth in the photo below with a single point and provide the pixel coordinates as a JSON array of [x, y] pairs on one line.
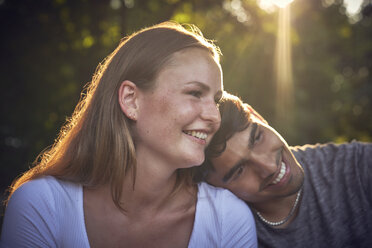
[[281, 174], [199, 135]]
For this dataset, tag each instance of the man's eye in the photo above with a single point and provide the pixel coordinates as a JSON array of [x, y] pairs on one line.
[[258, 136], [238, 172]]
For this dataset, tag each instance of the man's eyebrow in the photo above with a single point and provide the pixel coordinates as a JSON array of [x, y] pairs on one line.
[[232, 171], [252, 135]]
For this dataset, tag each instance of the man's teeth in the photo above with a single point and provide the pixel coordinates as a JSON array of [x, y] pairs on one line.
[[281, 174], [199, 135]]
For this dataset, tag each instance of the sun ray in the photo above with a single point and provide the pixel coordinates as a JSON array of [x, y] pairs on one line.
[[283, 67]]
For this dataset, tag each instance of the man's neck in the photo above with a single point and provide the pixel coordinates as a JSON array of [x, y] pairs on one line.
[[278, 210]]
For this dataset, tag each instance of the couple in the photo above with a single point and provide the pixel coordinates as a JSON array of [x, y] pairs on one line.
[[120, 174]]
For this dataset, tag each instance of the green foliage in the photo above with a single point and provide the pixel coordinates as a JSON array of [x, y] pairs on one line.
[[50, 50]]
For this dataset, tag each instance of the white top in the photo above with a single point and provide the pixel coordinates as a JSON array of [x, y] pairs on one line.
[[48, 212]]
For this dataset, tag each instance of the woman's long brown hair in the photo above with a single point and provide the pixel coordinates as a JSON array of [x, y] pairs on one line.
[[95, 146]]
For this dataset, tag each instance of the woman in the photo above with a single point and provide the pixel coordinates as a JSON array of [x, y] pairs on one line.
[[119, 174]]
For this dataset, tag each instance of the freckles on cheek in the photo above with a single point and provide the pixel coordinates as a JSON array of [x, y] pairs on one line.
[[163, 105]]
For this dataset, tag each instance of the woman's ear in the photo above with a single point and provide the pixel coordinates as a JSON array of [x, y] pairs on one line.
[[128, 99]]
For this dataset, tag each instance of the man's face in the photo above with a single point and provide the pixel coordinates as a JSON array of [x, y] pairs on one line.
[[257, 165]]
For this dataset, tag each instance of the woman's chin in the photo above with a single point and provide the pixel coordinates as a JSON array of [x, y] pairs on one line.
[[194, 161]]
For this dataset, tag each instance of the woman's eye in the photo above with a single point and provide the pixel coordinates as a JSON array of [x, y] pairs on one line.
[[196, 93]]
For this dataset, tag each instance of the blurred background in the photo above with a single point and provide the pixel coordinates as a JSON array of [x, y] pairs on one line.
[[306, 67]]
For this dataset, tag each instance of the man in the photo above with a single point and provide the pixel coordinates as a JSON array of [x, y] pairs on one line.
[[309, 196]]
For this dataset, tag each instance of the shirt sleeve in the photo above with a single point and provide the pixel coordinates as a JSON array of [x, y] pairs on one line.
[[238, 225], [363, 160], [29, 219]]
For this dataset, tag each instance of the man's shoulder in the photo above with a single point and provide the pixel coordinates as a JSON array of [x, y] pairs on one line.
[[332, 145], [312, 151]]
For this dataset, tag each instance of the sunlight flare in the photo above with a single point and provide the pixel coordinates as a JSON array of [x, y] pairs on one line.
[[268, 4], [283, 65], [282, 3]]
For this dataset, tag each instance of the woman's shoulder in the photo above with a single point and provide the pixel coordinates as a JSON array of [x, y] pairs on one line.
[[46, 192], [45, 187], [219, 203], [206, 190], [43, 212], [227, 220], [221, 199]]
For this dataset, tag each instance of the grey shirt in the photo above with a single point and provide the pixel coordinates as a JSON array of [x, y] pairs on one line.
[[336, 207]]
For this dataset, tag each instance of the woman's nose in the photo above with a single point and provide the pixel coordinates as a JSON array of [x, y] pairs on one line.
[[211, 113]]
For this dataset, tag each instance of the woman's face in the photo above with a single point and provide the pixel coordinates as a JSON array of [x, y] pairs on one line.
[[177, 119]]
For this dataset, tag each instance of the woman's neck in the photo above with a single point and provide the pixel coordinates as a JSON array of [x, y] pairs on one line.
[[153, 188], [149, 189]]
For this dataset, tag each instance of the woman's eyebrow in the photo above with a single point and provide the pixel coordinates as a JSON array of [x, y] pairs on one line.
[[203, 86]]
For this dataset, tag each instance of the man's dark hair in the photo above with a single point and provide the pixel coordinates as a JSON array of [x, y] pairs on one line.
[[235, 117]]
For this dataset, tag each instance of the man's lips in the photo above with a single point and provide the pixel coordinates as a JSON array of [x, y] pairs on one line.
[[281, 173]]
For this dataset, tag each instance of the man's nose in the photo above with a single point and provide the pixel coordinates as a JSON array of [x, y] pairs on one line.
[[265, 163]]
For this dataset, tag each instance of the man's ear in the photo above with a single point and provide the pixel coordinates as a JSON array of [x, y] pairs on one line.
[[128, 99]]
